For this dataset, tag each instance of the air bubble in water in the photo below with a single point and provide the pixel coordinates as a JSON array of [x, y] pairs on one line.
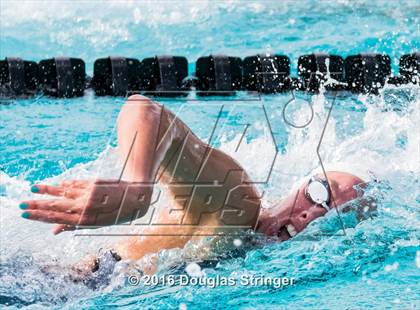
[[237, 242]]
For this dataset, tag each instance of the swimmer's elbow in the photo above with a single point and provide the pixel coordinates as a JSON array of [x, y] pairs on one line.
[[138, 98], [141, 110]]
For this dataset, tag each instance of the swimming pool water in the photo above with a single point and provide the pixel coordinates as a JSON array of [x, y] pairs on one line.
[[374, 265]]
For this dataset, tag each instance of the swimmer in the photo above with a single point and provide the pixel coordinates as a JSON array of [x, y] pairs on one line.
[[212, 193]]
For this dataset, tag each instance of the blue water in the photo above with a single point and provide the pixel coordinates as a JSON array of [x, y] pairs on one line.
[[374, 265]]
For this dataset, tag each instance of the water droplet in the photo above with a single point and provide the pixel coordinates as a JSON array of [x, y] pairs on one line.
[[389, 268], [237, 242]]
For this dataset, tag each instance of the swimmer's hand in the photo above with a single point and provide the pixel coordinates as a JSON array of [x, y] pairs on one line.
[[88, 204]]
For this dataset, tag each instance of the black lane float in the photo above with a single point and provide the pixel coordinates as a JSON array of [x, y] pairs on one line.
[[164, 76], [267, 73], [317, 69], [115, 76], [367, 73], [18, 77], [215, 75], [218, 75], [410, 68], [62, 77]]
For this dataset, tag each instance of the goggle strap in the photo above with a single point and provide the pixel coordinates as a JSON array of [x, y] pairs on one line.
[[325, 206]]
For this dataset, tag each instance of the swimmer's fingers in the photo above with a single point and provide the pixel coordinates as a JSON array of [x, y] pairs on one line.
[[53, 217], [48, 190], [59, 228], [57, 205], [70, 193], [76, 183]]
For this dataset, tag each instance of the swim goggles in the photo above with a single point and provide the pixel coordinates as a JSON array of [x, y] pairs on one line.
[[318, 192]]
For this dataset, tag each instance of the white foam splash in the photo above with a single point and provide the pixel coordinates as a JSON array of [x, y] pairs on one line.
[[194, 270]]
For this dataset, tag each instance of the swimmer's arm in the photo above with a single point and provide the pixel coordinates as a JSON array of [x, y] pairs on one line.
[[148, 136], [145, 138]]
